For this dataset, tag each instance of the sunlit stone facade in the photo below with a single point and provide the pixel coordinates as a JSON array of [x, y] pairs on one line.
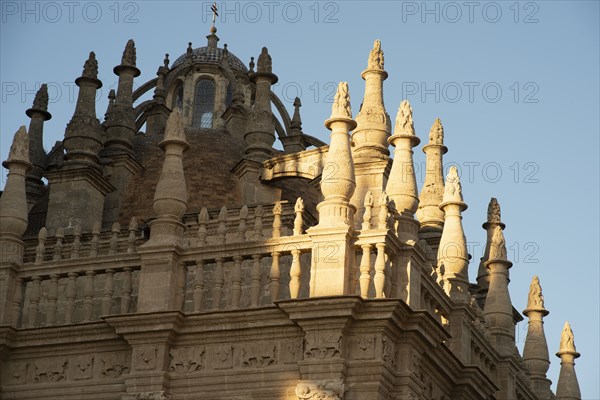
[[175, 253]]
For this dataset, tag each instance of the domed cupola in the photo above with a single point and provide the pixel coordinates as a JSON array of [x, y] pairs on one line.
[[201, 83], [208, 55]]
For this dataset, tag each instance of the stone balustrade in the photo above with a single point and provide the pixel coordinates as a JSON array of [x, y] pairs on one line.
[[236, 258], [67, 296]]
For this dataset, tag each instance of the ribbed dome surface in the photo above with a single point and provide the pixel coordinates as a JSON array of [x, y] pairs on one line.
[[202, 55]]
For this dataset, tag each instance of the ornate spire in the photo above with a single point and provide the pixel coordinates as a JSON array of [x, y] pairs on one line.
[[83, 136], [294, 141], [120, 128], [402, 183], [430, 216], [260, 131], [13, 204], [37, 155], [338, 182], [567, 387], [452, 251], [296, 123], [170, 197], [111, 104], [336, 214], [535, 351], [493, 221], [374, 126], [498, 306]]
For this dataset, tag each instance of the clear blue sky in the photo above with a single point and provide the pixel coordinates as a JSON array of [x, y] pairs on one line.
[[516, 85]]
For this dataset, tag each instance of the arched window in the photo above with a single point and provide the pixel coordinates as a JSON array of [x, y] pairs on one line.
[[178, 98], [204, 104]]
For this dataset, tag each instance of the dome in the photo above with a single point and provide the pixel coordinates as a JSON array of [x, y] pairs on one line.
[[204, 55]]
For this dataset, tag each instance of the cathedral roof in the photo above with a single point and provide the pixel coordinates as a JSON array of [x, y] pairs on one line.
[[206, 55]]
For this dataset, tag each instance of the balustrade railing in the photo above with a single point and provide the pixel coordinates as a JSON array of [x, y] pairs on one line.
[[240, 258]]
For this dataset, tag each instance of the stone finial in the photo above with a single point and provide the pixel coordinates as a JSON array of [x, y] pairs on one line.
[[296, 123], [567, 340], [90, 68], [42, 234], [203, 216], [376, 56], [19, 150], [535, 300], [166, 61], [383, 211], [265, 63], [41, 98], [244, 212], [133, 224], [251, 65], [453, 189], [175, 129], [498, 245], [299, 206], [189, 50], [368, 202], [402, 182], [259, 211], [341, 102], [111, 105], [535, 350], [404, 120], [223, 214], [567, 387], [225, 52], [436, 134], [129, 56], [493, 213]]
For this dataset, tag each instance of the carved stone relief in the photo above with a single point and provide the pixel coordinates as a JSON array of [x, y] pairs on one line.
[[259, 355], [82, 367], [187, 360], [145, 357], [50, 370], [321, 390], [322, 344], [113, 366]]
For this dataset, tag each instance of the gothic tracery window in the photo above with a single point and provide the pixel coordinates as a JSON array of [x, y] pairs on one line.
[[204, 104]]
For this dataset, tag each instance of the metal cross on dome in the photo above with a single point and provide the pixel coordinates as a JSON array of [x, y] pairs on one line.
[[215, 10]]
